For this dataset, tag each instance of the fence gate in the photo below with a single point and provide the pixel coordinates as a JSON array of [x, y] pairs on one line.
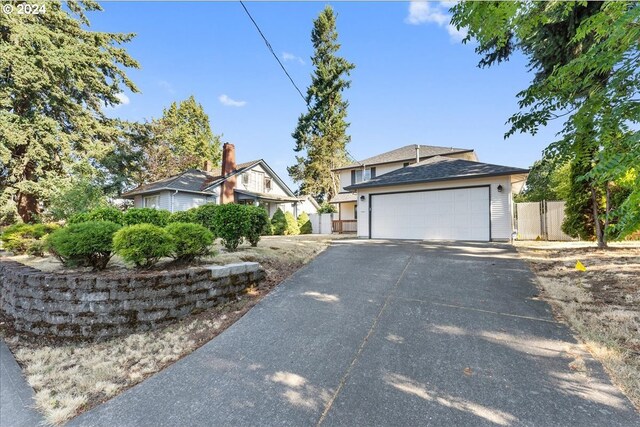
[[540, 220]]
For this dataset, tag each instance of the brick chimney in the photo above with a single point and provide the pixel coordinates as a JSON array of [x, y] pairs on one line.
[[228, 167], [207, 166]]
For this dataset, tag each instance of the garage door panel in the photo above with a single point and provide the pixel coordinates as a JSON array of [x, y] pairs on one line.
[[454, 214]]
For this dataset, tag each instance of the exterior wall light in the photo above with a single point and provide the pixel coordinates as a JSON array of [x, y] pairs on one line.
[[500, 188], [362, 198]]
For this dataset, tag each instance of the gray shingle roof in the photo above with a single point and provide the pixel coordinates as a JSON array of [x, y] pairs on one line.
[[438, 169], [408, 152], [343, 198], [191, 180]]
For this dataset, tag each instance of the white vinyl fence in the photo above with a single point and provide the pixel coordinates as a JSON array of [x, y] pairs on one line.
[[540, 220], [321, 223]]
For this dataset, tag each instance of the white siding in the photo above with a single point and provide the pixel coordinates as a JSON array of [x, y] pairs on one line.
[[257, 187], [184, 201], [347, 210], [501, 217]]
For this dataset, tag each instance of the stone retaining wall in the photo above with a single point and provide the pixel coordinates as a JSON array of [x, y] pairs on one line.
[[100, 305]]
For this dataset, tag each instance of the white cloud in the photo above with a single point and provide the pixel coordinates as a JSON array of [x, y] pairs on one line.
[[225, 100], [166, 86], [286, 56], [423, 12], [124, 99]]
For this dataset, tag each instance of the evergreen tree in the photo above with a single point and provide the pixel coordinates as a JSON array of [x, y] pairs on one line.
[[56, 76], [321, 134], [181, 139]]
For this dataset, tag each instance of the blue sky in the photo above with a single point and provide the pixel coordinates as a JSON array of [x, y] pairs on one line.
[[414, 81]]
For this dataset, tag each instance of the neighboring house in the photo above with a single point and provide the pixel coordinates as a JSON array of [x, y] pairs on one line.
[[425, 192], [246, 183]]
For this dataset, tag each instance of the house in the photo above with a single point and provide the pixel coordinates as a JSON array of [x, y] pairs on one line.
[[426, 192], [252, 182]]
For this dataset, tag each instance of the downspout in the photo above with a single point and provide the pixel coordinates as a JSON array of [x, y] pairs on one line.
[[172, 197]]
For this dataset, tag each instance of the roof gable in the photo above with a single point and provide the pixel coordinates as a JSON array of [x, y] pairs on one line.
[[406, 153], [438, 169]]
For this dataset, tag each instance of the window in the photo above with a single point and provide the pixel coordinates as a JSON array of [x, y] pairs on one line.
[[245, 178], [267, 183], [357, 175], [373, 173], [405, 164], [152, 202]]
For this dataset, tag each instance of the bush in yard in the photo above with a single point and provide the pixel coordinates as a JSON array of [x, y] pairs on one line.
[[230, 223], [158, 217], [183, 216], [304, 223], [205, 215], [278, 223], [101, 214], [327, 208], [190, 241], [291, 228], [85, 244], [258, 224], [26, 238], [143, 244]]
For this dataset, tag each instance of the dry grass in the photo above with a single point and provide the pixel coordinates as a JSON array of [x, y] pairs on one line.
[[72, 377], [602, 304]]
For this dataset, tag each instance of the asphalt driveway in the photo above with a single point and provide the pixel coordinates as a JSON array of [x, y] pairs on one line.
[[386, 333]]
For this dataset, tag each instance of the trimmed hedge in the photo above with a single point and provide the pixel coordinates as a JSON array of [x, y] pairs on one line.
[[230, 223], [304, 223], [143, 244], [183, 216], [26, 238], [278, 223], [190, 241], [157, 217], [258, 224], [205, 216], [101, 214], [291, 228], [84, 244]]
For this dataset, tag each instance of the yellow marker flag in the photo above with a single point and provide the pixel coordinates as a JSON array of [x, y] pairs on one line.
[[580, 266]]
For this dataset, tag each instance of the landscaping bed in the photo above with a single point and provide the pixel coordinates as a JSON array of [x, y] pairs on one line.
[[602, 304], [70, 377]]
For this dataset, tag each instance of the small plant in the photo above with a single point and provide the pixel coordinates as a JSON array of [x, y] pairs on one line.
[[183, 216], [258, 224], [84, 244], [158, 217], [278, 223], [327, 208], [304, 223], [26, 238], [230, 223], [205, 215], [291, 228], [190, 241], [143, 244], [101, 214]]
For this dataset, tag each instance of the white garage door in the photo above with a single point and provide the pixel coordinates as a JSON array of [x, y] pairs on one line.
[[460, 214]]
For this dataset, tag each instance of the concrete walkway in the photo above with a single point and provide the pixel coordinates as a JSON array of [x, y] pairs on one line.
[[386, 333], [16, 396]]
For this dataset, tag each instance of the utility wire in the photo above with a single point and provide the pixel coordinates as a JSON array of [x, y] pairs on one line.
[[272, 52]]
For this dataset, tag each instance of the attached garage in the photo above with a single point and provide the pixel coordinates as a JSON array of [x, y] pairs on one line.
[[445, 214], [439, 199]]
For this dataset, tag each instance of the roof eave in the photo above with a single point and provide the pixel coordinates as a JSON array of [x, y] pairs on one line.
[[356, 187], [132, 194], [402, 160]]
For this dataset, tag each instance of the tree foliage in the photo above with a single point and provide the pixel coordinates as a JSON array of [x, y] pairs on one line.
[[321, 134], [56, 77], [547, 180], [585, 60], [179, 140]]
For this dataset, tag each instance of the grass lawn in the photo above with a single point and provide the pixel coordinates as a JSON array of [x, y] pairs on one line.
[[72, 377], [602, 304]]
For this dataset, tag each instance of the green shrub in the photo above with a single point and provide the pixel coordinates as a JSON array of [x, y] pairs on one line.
[[258, 224], [84, 244], [205, 215], [278, 223], [190, 241], [291, 228], [304, 223], [230, 223], [183, 216], [158, 217], [327, 208], [25, 238], [37, 248], [101, 214], [142, 244]]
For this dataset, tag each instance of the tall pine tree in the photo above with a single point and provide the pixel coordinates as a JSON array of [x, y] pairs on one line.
[[56, 76], [321, 135]]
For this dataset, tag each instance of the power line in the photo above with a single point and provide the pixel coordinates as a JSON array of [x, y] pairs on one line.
[[272, 52]]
